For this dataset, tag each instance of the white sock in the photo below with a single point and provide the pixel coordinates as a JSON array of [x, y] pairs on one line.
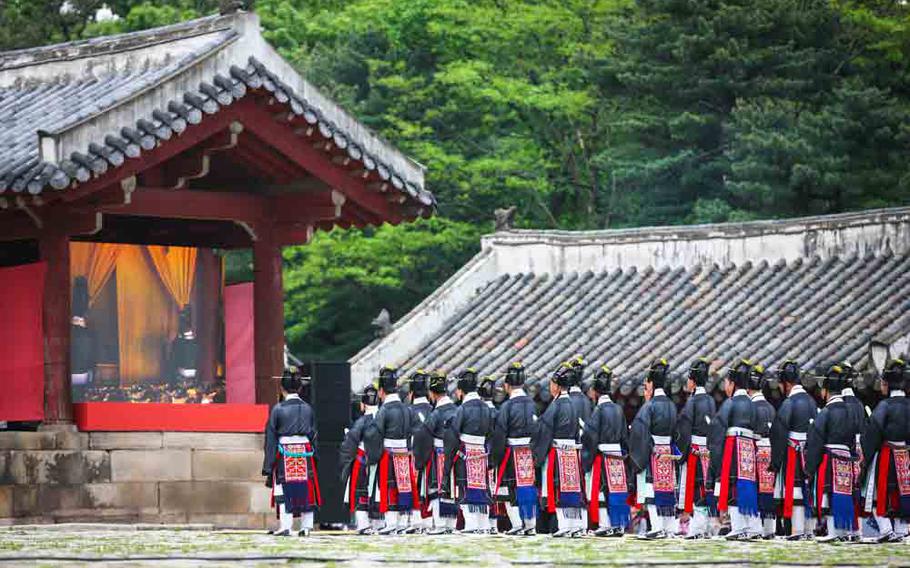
[[306, 521], [514, 516], [361, 520], [900, 527], [798, 520], [739, 523], [391, 519], [285, 519], [604, 521], [769, 526], [657, 522], [698, 524]]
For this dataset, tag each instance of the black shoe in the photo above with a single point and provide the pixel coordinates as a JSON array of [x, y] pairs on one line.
[[304, 532], [796, 537], [617, 533], [283, 533], [515, 532], [530, 532], [603, 531], [655, 535], [698, 536], [367, 531], [563, 533], [737, 536]]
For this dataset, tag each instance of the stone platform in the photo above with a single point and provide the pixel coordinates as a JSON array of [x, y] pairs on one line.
[[133, 477]]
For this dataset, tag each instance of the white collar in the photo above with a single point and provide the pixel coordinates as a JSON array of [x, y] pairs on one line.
[[896, 393], [740, 392], [758, 396], [391, 397], [603, 399], [659, 392], [490, 403], [847, 392], [370, 410], [443, 400], [574, 389], [700, 390], [517, 393], [835, 399], [421, 400], [470, 396], [291, 396], [796, 390], [563, 394]]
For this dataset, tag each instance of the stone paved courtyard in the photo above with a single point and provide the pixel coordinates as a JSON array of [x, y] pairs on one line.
[[76, 545]]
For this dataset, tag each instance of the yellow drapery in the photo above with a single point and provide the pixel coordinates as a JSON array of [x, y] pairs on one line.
[[94, 261], [177, 268], [146, 318]]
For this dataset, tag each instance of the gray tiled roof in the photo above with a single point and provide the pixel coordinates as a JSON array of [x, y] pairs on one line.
[[811, 309], [51, 91]]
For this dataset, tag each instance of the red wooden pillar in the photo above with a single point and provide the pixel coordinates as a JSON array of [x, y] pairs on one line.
[[268, 313], [58, 395]]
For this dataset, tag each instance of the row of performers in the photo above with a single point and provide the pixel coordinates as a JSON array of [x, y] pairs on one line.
[[415, 467]]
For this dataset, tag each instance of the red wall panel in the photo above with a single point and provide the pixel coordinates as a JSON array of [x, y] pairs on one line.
[[240, 365], [22, 342]]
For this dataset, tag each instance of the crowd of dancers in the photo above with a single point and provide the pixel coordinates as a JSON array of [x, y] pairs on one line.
[[439, 462]]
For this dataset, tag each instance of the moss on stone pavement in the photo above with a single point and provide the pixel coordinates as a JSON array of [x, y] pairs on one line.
[[40, 546]]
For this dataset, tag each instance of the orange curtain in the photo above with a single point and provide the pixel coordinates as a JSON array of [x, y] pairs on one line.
[[177, 268], [94, 261], [146, 317]]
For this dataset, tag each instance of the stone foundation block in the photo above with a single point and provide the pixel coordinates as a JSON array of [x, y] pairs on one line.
[[28, 440], [205, 496], [213, 441], [71, 440], [260, 499], [126, 440], [6, 501], [227, 465], [62, 467], [150, 465], [12, 468], [135, 495]]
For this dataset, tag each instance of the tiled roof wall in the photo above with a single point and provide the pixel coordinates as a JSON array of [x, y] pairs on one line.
[[811, 310]]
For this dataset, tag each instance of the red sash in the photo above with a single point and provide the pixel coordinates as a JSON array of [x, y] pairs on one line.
[[295, 468], [789, 481], [766, 477], [569, 476], [729, 444], [663, 469], [440, 471], [355, 476], [697, 455]]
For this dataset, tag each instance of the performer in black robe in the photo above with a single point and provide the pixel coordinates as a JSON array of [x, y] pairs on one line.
[[289, 463], [764, 418], [696, 497], [421, 518], [466, 453], [605, 440], [513, 438], [859, 417], [885, 449], [732, 444], [653, 456], [82, 344], [788, 440], [388, 440], [829, 460], [557, 451], [355, 472], [580, 400], [439, 490], [486, 389]]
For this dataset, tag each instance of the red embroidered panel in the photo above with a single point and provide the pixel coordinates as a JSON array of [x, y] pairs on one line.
[[704, 455], [402, 465], [440, 469], [524, 466], [663, 469], [616, 475], [295, 469], [902, 469], [476, 465], [745, 456], [766, 478], [842, 475], [569, 476]]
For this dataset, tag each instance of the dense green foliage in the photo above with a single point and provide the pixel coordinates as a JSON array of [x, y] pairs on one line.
[[583, 113]]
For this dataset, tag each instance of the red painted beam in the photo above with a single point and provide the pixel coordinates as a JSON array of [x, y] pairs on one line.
[[317, 162], [192, 204], [157, 417]]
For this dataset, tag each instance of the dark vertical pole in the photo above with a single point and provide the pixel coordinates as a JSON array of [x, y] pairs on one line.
[[268, 306], [58, 401]]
